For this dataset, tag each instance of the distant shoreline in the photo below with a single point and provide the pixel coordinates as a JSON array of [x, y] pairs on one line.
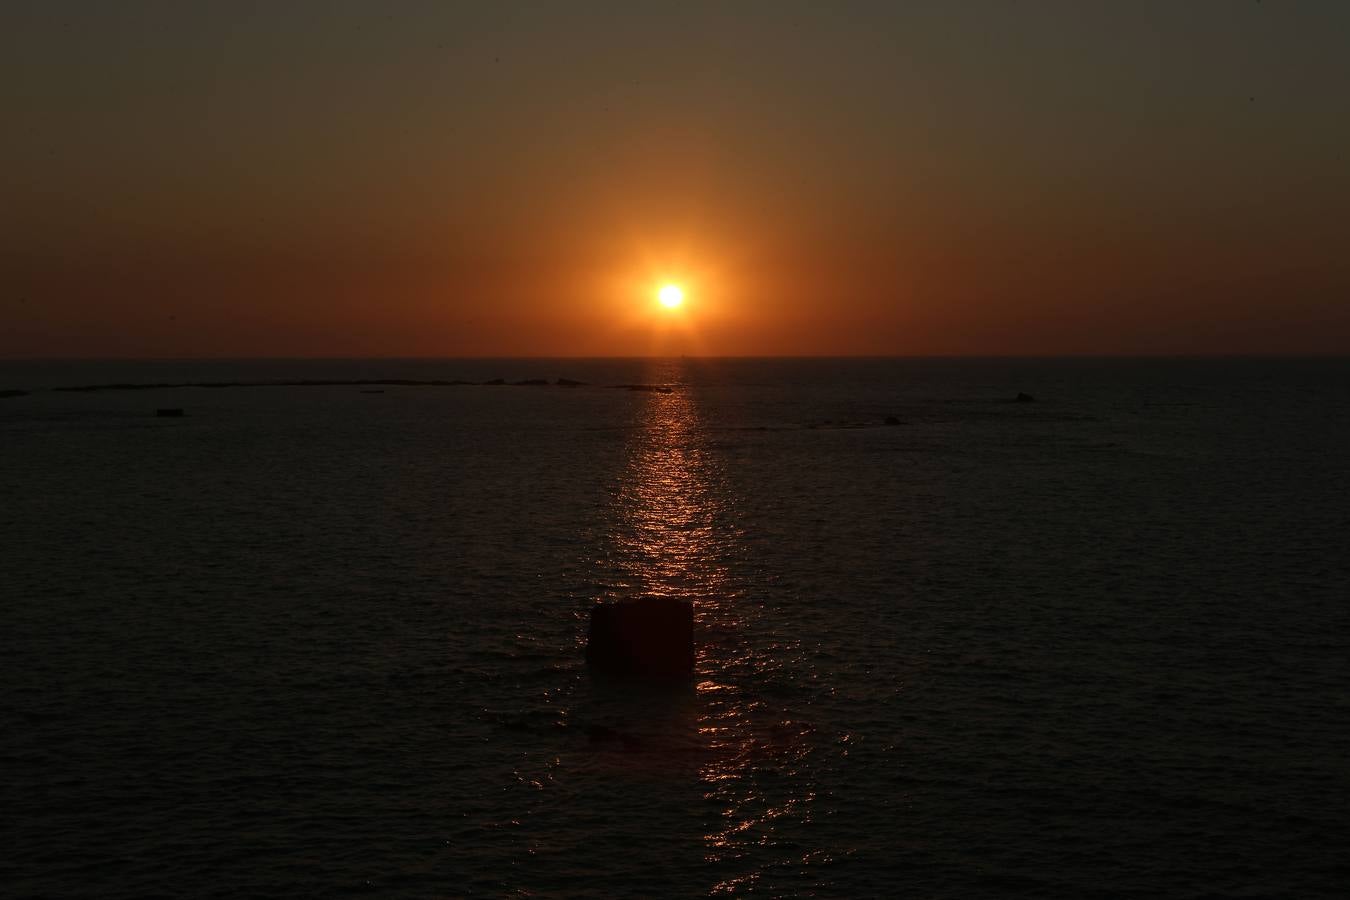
[[346, 382]]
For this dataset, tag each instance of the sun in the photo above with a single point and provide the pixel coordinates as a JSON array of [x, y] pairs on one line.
[[670, 295]]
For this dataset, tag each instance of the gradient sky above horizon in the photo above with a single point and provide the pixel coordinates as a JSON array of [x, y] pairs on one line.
[[444, 179]]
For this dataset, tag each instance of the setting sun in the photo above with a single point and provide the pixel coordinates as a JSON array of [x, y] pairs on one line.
[[670, 295]]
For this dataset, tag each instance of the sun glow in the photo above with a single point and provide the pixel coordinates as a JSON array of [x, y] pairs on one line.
[[667, 300], [670, 296]]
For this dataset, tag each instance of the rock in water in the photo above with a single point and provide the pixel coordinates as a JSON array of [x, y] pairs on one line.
[[650, 637], [1025, 398], [169, 413]]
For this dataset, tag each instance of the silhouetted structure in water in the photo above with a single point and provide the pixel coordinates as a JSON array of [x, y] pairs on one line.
[[649, 637], [170, 412], [1025, 398]]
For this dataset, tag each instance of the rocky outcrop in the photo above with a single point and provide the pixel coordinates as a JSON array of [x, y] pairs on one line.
[[648, 388]]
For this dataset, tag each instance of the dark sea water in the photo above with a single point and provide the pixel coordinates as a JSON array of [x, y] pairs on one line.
[[310, 641]]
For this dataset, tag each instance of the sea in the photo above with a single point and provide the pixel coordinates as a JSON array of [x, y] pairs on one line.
[[323, 634]]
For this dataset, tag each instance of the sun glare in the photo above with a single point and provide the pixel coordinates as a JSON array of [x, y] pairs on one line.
[[670, 295]]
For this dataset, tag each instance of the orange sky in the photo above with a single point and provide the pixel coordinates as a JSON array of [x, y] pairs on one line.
[[333, 180]]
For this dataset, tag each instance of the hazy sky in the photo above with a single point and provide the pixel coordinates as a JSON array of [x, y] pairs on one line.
[[425, 179]]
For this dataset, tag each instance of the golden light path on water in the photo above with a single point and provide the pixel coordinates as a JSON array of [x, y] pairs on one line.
[[676, 539], [667, 540]]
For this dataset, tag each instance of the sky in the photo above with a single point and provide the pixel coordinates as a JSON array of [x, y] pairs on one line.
[[277, 179]]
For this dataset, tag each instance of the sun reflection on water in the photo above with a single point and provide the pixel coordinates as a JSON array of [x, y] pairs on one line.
[[674, 538], [666, 542]]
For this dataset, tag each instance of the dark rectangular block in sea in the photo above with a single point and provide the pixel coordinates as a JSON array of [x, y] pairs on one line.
[[649, 636]]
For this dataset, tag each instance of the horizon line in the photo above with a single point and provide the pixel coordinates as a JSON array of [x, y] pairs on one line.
[[626, 357]]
